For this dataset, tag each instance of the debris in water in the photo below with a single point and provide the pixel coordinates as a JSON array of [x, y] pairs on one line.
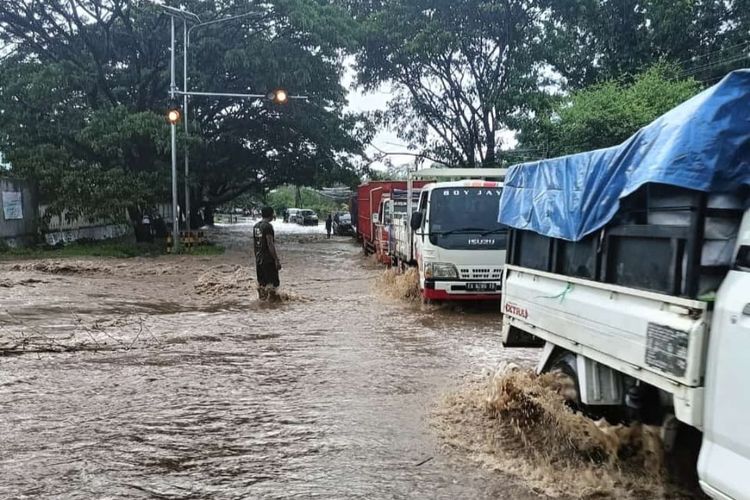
[[219, 281], [520, 423], [21, 282], [62, 267], [399, 285]]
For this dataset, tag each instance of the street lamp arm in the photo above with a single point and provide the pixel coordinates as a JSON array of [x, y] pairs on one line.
[[185, 15], [241, 96], [217, 21]]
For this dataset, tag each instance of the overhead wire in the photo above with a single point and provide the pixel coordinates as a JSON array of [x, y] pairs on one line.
[[707, 54]]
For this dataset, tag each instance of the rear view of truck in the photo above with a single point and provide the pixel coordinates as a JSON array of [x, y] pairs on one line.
[[630, 266], [368, 215]]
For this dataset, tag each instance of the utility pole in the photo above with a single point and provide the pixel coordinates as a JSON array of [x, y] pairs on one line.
[[186, 45], [278, 96], [188, 225], [173, 127]]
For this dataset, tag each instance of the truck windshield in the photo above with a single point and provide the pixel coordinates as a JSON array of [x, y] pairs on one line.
[[465, 218]]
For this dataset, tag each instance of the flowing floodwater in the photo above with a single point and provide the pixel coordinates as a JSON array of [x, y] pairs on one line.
[[167, 378]]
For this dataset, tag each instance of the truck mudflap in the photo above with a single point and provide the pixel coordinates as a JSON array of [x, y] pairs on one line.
[[653, 337]]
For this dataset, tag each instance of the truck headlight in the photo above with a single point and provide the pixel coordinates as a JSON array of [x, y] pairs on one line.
[[440, 270]]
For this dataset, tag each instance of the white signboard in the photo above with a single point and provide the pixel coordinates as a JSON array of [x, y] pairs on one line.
[[12, 205]]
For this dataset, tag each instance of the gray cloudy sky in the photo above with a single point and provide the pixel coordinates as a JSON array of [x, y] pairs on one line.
[[385, 140]]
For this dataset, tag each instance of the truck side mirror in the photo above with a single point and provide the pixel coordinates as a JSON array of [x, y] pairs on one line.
[[416, 221]]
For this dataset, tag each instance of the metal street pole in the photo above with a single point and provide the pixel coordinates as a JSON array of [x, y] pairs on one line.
[[173, 126], [185, 118], [173, 92], [186, 44]]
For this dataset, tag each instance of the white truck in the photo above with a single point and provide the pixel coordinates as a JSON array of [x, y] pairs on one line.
[[454, 236], [631, 267]]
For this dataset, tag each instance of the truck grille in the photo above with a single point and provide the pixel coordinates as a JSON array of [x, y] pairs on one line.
[[481, 273]]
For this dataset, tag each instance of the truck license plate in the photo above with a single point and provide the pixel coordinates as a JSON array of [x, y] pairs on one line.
[[481, 287]]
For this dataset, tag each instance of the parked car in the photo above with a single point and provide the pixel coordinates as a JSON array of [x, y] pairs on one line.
[[307, 217], [291, 215], [342, 224]]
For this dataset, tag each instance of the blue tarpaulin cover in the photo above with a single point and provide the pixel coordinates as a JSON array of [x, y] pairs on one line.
[[702, 144]]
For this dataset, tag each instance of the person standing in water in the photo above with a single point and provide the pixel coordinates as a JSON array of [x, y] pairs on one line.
[[329, 225], [267, 263]]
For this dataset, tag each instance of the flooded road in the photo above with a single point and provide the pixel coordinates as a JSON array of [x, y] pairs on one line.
[[180, 384]]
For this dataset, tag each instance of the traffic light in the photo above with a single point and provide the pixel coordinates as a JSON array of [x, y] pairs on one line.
[[279, 96], [174, 113]]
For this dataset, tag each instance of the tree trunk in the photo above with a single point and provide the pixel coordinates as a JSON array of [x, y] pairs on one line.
[[208, 209], [490, 158], [142, 231]]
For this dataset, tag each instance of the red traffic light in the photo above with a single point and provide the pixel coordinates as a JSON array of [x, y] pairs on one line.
[[174, 113], [173, 116], [279, 96]]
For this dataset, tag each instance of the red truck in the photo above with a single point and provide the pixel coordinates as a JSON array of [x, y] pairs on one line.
[[366, 207]]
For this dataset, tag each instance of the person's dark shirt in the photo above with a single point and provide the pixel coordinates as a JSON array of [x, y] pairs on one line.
[[260, 242], [328, 221]]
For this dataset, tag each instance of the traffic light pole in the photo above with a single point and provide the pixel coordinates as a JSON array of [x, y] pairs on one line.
[[188, 226], [270, 96], [186, 45], [279, 96], [173, 127]]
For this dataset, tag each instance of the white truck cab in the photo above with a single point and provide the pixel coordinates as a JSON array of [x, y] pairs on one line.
[[459, 245], [724, 462]]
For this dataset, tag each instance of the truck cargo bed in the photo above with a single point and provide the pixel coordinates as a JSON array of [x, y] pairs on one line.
[[654, 337]]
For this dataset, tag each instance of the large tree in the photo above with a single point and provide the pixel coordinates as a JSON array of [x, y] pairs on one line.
[[601, 39], [461, 70], [604, 114], [84, 93]]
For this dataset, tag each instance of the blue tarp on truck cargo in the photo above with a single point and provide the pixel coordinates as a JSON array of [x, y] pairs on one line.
[[702, 144]]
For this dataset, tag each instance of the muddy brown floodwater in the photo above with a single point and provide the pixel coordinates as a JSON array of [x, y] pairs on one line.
[[166, 378]]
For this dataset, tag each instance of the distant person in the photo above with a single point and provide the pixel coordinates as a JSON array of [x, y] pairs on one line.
[[329, 226], [267, 263], [286, 215]]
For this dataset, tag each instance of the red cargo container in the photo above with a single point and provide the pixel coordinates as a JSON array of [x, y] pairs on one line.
[[367, 203]]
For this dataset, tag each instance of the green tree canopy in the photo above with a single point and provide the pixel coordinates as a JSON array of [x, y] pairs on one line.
[[606, 114], [463, 70], [602, 39], [84, 93]]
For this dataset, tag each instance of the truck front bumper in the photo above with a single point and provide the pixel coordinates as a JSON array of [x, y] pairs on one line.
[[457, 290]]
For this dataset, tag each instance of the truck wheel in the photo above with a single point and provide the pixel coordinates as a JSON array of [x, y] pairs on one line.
[[565, 363]]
